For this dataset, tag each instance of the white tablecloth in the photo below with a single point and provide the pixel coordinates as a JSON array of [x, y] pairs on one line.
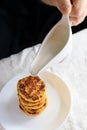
[[73, 70]]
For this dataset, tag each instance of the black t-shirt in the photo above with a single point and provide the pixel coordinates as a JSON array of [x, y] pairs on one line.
[[25, 23]]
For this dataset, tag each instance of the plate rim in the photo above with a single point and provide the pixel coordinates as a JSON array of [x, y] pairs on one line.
[[20, 75]]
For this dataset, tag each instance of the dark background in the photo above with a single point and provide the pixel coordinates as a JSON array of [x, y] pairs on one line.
[[26, 23]]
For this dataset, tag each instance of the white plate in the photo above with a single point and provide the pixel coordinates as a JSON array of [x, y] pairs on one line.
[[59, 102]]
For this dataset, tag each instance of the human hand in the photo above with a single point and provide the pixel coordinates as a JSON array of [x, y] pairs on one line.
[[76, 9]]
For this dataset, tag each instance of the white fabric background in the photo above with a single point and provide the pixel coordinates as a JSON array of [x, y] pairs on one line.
[[73, 70]]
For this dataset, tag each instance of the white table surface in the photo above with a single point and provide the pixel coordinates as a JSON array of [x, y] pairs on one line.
[[73, 70]]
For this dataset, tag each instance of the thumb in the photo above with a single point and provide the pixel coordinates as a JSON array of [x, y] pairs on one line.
[[64, 6]]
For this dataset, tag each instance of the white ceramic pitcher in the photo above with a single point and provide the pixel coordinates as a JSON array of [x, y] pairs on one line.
[[55, 47]]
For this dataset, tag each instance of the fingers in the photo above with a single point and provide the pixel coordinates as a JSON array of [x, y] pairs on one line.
[[77, 20], [63, 5], [78, 12], [76, 9]]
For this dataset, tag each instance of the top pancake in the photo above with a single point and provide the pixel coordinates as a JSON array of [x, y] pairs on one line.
[[31, 88]]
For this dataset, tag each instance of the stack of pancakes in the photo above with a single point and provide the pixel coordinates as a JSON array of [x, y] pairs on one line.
[[32, 95]]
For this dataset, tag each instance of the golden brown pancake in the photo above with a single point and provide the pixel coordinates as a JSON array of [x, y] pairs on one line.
[[32, 106], [33, 112], [32, 95], [31, 88]]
